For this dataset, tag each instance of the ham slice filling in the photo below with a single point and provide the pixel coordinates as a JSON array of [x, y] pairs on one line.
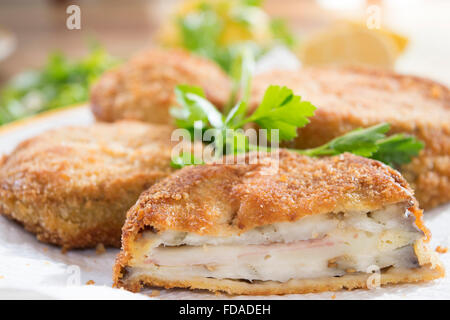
[[315, 246]]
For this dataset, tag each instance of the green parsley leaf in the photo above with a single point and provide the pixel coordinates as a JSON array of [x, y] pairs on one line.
[[398, 149], [193, 108], [234, 117], [371, 143], [359, 141], [281, 109]]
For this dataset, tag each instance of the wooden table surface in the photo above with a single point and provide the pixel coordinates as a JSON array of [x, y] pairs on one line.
[[125, 26]]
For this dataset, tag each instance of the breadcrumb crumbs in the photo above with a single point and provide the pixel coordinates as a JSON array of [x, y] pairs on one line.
[[440, 249], [100, 249], [332, 263], [90, 282], [436, 92]]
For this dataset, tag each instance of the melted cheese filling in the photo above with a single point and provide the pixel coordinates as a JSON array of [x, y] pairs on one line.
[[314, 246]]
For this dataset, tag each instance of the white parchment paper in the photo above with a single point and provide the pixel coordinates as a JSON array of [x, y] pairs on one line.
[[33, 270]]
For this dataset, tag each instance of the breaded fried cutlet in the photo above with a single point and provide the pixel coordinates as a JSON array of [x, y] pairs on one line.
[[351, 98], [143, 88], [73, 186], [313, 225]]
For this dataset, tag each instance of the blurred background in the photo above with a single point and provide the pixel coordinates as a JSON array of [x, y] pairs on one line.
[[47, 62]]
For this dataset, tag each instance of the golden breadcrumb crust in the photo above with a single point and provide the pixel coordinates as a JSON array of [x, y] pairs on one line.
[[143, 88], [221, 200], [293, 286], [352, 98], [73, 186]]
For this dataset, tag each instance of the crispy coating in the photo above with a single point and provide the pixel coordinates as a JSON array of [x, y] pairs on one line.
[[353, 98], [249, 195], [143, 88], [73, 186], [293, 286], [222, 200]]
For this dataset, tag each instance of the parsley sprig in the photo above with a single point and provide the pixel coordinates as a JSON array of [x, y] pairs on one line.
[[284, 111], [280, 109], [371, 143]]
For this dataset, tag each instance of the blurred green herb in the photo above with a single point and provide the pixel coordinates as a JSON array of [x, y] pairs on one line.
[[61, 82], [202, 31], [241, 73], [281, 32]]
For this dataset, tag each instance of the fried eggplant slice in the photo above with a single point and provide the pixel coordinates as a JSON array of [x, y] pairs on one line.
[[350, 98], [72, 186], [143, 88], [312, 225]]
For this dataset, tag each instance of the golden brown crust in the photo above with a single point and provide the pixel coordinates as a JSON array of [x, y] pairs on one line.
[[355, 97], [220, 200], [246, 196], [72, 186], [143, 88], [294, 286]]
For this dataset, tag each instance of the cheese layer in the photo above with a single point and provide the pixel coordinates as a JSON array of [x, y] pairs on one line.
[[314, 246]]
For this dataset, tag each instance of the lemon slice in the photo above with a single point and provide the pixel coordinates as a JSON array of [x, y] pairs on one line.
[[349, 44], [400, 40]]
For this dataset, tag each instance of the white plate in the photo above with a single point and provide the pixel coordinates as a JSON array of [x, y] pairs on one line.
[[30, 269]]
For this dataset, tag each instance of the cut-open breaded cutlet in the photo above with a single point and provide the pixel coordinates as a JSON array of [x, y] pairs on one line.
[[311, 225], [351, 98], [143, 88], [72, 186]]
